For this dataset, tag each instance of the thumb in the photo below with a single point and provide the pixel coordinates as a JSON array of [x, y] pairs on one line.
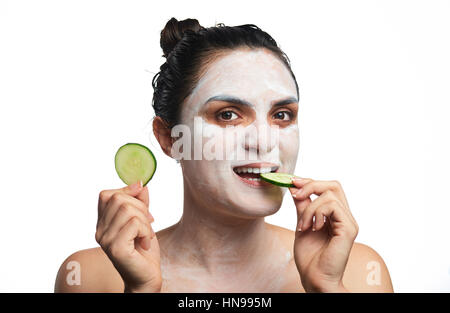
[[133, 189], [300, 206], [143, 195]]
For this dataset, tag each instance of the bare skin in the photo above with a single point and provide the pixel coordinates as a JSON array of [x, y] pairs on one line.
[[221, 243], [98, 274], [250, 256]]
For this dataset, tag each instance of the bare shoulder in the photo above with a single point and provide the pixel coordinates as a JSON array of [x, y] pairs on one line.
[[285, 235], [366, 271], [285, 246], [88, 270]]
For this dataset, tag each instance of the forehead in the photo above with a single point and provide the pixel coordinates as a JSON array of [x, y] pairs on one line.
[[253, 75]]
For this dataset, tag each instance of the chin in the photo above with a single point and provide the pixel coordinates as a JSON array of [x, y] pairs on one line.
[[255, 206]]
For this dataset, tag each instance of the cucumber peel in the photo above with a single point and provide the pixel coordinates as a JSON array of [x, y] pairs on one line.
[[135, 162], [279, 179]]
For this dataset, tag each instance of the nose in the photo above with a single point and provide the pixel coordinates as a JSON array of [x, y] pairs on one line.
[[260, 138]]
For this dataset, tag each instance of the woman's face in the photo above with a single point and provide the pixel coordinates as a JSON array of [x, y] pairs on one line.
[[242, 117]]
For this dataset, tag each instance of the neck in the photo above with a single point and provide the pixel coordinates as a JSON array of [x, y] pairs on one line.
[[214, 239]]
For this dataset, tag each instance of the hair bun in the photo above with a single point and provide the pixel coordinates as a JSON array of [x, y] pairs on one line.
[[173, 32]]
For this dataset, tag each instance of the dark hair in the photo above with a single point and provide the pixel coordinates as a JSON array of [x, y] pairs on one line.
[[188, 48]]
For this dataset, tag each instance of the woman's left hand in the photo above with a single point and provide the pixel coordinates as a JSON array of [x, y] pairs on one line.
[[322, 246]]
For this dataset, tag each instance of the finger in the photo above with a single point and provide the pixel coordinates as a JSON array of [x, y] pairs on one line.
[[320, 207], [133, 190], [319, 217], [300, 182], [135, 229], [105, 195], [152, 232], [116, 201], [301, 211], [332, 185], [300, 206], [140, 193], [143, 196], [108, 213], [103, 199], [316, 187], [318, 220], [107, 232]]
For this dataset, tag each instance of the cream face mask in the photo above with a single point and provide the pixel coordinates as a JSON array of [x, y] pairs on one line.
[[241, 120]]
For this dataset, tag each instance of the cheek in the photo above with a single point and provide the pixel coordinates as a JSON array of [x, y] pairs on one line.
[[208, 150], [289, 143]]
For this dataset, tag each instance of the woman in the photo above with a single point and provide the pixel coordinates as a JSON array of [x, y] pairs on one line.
[[233, 80]]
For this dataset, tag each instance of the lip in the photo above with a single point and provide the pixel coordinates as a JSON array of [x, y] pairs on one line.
[[257, 165], [256, 184]]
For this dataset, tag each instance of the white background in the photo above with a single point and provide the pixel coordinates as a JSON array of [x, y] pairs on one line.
[[75, 84]]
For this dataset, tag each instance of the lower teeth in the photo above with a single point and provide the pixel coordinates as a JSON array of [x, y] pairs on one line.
[[254, 179]]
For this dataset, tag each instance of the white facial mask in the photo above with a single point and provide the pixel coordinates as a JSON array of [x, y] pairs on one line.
[[260, 78]]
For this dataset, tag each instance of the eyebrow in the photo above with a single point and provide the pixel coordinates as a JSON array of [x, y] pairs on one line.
[[235, 100]]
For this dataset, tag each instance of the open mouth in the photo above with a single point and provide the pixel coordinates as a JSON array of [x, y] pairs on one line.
[[250, 173]]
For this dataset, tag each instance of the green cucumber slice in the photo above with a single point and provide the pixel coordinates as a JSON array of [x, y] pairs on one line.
[[135, 162], [279, 179]]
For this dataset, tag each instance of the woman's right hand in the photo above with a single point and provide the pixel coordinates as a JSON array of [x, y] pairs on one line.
[[125, 234]]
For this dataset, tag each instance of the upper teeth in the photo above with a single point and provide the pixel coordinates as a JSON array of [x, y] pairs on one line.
[[255, 170]]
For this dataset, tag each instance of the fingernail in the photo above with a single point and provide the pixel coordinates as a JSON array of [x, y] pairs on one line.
[[136, 186], [293, 192], [300, 224], [296, 179]]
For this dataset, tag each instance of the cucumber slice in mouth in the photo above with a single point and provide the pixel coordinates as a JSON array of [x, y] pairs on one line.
[[279, 179], [135, 162]]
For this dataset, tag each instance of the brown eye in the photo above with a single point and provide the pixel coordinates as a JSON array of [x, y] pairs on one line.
[[228, 115], [282, 115]]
